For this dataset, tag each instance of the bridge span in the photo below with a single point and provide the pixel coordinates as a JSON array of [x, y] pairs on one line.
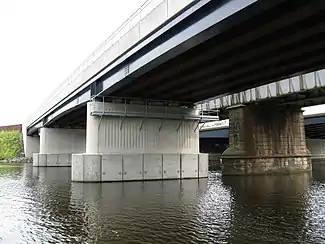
[[128, 112], [303, 90]]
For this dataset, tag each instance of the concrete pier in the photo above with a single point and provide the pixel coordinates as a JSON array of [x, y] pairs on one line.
[[31, 145], [139, 142], [265, 140], [317, 149], [57, 145]]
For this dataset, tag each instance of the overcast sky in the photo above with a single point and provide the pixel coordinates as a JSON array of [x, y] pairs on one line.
[[43, 41]]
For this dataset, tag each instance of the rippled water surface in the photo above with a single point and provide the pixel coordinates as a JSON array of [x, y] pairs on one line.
[[41, 205]]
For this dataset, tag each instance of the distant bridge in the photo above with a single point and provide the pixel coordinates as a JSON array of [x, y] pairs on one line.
[[304, 90], [314, 126]]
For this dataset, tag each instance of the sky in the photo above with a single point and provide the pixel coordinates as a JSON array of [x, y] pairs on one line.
[[43, 41]]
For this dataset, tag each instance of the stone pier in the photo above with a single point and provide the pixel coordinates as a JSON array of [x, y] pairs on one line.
[[127, 142], [265, 140], [57, 146]]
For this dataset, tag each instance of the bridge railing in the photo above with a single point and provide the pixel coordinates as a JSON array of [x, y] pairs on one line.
[[147, 18], [283, 87]]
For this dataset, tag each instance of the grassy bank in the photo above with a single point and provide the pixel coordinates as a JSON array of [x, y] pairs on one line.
[[11, 144], [11, 164]]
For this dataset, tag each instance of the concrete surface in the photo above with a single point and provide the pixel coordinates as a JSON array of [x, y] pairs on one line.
[[189, 166], [51, 160], [137, 135], [62, 141], [137, 167], [31, 145]]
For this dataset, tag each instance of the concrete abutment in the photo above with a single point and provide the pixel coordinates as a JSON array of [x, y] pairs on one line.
[[265, 140]]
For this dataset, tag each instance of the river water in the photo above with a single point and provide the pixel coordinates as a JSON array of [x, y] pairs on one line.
[[42, 205]]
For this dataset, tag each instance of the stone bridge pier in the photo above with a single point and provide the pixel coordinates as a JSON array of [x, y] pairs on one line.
[[266, 140]]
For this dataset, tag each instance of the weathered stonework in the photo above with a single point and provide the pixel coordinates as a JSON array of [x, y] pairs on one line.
[[265, 140]]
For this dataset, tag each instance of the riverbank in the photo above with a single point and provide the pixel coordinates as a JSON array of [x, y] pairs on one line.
[[5, 165], [15, 162]]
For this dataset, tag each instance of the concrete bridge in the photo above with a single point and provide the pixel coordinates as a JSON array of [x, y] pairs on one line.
[[128, 112]]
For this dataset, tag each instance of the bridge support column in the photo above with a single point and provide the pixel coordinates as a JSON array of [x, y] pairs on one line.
[[31, 145], [265, 140], [317, 149], [57, 146], [128, 142]]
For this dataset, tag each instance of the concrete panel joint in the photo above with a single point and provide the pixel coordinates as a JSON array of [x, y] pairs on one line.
[[137, 167], [51, 160]]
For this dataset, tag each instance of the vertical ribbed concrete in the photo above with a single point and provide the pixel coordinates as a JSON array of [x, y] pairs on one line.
[[265, 140], [108, 135], [131, 148], [57, 146]]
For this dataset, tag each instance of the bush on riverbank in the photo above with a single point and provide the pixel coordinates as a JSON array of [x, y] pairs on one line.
[[11, 144]]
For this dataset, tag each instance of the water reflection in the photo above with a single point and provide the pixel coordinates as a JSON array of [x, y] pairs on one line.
[[41, 205], [140, 211], [315, 227], [10, 172], [269, 208], [319, 170]]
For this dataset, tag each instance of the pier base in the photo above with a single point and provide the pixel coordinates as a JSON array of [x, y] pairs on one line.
[[138, 167], [51, 160]]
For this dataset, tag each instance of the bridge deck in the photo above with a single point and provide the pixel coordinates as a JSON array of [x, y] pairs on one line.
[[210, 48], [262, 43]]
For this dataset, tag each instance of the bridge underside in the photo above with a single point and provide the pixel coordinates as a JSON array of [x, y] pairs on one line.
[[76, 119], [315, 128], [316, 131], [265, 42]]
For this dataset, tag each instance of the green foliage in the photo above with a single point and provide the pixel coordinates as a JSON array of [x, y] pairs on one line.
[[11, 144]]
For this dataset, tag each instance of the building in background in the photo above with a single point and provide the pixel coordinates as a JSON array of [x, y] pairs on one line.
[[17, 127]]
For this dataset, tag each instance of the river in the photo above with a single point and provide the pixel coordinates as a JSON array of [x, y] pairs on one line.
[[42, 205]]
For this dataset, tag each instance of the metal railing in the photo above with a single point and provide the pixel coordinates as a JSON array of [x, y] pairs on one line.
[[147, 18]]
